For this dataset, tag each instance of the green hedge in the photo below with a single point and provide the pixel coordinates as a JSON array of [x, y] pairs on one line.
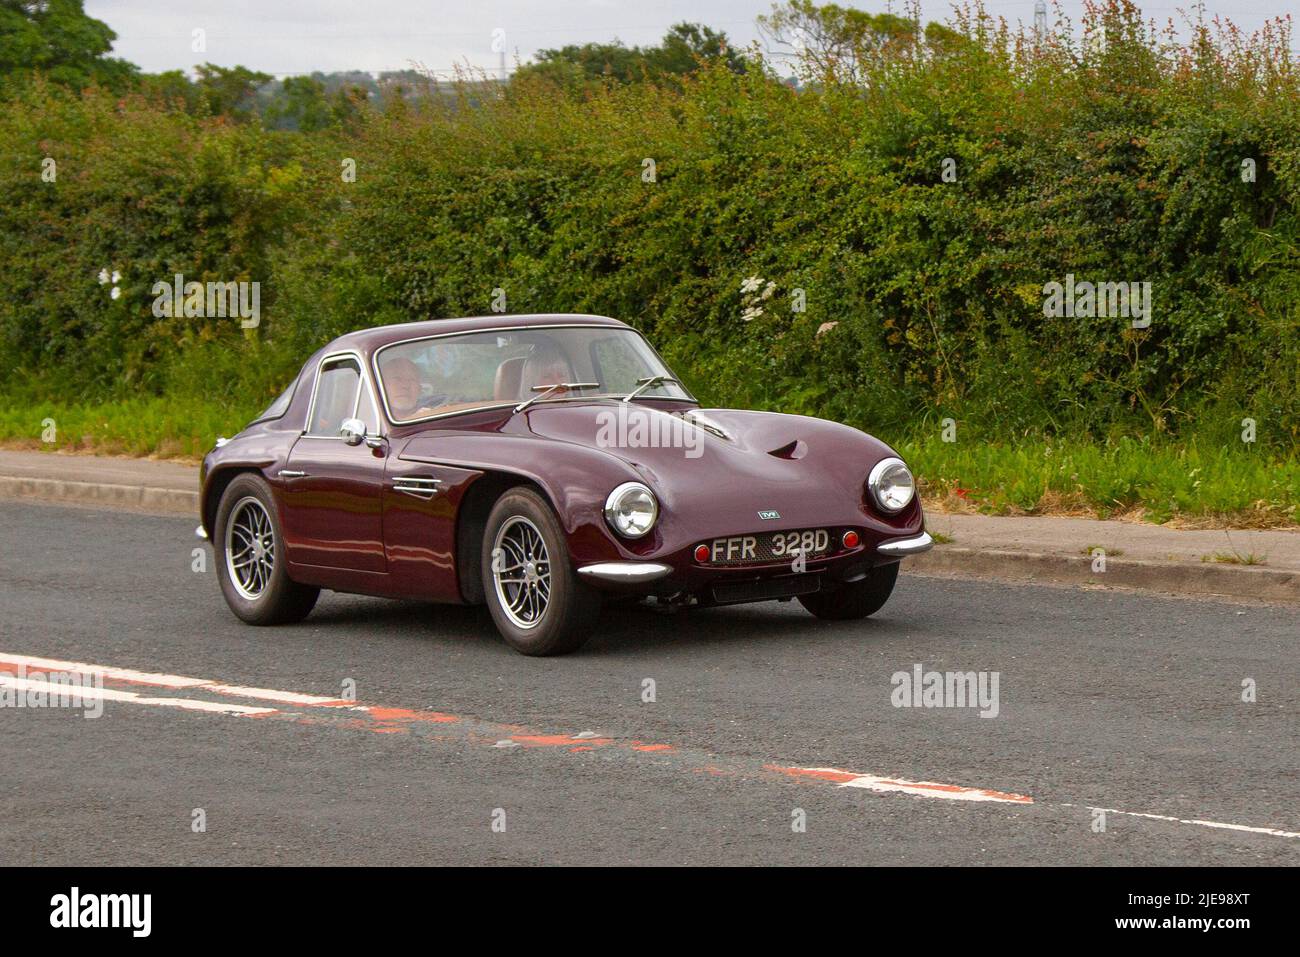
[[145, 192], [1124, 169], [924, 298]]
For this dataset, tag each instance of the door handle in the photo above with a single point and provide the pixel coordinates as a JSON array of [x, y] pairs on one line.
[[292, 473]]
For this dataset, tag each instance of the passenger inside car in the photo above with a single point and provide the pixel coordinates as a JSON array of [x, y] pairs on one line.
[[546, 365]]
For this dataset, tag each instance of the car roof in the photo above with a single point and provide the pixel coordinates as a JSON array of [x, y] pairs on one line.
[[369, 340]]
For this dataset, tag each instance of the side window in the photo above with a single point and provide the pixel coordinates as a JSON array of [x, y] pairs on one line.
[[336, 396]]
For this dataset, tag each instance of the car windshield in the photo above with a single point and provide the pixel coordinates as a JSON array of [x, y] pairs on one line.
[[456, 373]]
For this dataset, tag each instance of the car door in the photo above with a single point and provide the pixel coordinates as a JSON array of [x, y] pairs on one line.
[[332, 492]]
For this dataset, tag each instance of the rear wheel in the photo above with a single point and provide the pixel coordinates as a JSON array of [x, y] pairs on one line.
[[535, 597], [854, 599], [250, 557]]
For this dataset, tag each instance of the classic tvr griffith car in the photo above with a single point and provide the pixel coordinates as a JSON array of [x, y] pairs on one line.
[[543, 465]]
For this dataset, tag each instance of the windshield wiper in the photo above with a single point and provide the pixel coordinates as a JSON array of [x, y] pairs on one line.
[[648, 383], [547, 390]]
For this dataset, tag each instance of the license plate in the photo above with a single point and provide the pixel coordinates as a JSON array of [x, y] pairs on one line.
[[769, 547]]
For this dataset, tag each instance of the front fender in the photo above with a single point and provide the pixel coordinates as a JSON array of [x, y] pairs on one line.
[[254, 450], [576, 479]]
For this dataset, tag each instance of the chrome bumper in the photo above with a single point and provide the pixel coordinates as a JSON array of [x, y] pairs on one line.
[[906, 546], [627, 573]]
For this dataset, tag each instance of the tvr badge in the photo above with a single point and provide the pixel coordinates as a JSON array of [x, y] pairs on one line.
[[769, 513]]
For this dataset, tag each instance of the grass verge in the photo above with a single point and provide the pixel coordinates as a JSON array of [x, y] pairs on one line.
[[1186, 484], [150, 427]]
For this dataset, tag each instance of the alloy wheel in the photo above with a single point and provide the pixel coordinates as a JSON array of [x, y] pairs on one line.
[[521, 572], [250, 547]]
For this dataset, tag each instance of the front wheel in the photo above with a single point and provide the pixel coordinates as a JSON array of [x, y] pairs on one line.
[[250, 557], [534, 595], [855, 599]]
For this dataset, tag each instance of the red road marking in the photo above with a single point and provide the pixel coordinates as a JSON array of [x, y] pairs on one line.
[[405, 714], [822, 774]]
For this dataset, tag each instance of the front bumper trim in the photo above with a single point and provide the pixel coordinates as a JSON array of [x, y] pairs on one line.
[[906, 546], [626, 572]]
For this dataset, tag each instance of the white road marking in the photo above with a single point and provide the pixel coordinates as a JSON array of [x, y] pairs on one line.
[[930, 789], [947, 792], [112, 694], [165, 680], [1274, 832]]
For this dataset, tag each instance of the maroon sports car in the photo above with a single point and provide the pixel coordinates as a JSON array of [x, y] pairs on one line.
[[543, 465]]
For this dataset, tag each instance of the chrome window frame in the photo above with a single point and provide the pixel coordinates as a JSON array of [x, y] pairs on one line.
[[363, 384], [401, 423]]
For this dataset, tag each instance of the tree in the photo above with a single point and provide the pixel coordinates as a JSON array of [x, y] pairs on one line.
[[58, 39], [171, 88], [299, 104], [684, 47], [834, 41], [229, 91]]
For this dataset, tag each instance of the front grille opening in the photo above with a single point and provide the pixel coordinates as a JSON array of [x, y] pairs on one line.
[[786, 587]]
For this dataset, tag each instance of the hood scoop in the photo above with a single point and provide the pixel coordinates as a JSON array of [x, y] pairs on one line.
[[791, 450]]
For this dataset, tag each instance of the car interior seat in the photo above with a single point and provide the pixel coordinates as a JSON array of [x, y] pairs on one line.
[[507, 384]]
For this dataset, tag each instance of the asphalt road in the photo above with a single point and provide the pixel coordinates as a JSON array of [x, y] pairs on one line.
[[1105, 700]]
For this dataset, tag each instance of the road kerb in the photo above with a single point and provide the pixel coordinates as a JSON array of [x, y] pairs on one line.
[[170, 501], [1188, 578]]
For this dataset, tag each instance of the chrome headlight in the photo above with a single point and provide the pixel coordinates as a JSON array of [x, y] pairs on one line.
[[631, 509], [891, 485]]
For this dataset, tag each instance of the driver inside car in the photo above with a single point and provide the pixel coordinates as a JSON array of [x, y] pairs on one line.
[[403, 386]]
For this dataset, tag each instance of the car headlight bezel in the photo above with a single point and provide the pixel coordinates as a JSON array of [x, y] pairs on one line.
[[615, 505], [882, 485]]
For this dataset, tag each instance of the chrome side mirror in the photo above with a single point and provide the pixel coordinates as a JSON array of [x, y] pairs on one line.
[[353, 431]]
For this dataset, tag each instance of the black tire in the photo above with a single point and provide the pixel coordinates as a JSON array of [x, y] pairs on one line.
[[534, 620], [271, 598], [855, 599]]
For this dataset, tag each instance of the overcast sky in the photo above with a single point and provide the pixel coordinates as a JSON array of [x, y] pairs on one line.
[[299, 36]]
